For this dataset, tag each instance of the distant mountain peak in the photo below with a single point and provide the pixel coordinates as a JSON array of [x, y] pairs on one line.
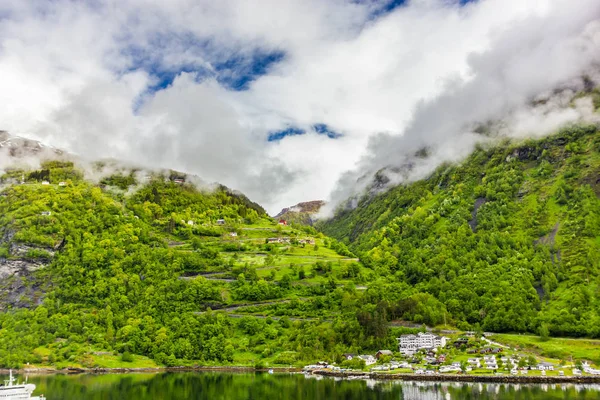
[[302, 212], [19, 147]]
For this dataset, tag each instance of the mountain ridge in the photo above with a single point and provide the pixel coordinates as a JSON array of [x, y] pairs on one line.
[[511, 210]]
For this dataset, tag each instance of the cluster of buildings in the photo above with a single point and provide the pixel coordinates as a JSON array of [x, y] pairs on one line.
[[490, 359], [410, 344], [367, 358], [282, 240], [587, 368], [287, 240]]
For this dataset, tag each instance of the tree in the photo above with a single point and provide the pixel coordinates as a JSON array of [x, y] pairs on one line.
[[544, 333], [301, 273]]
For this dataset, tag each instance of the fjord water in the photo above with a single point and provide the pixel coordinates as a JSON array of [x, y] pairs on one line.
[[259, 386]]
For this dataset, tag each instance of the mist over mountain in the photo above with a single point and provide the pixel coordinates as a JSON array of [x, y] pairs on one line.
[[250, 97]]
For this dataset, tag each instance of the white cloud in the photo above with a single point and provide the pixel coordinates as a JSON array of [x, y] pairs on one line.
[[71, 75]]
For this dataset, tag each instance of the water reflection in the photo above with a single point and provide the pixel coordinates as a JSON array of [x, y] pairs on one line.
[[227, 386]]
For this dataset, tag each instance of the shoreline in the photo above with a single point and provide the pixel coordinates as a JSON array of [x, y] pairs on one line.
[[519, 379], [124, 370], [463, 378]]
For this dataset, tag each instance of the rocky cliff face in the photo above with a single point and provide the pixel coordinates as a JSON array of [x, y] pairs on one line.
[[302, 212], [19, 285]]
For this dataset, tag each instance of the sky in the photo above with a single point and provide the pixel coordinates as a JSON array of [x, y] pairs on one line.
[[291, 100]]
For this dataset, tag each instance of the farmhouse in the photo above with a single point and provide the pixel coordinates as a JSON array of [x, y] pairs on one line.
[[282, 222], [382, 353]]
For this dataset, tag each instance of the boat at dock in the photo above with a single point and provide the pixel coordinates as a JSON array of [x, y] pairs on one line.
[[13, 390]]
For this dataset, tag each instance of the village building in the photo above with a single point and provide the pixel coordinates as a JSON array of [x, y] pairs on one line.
[[348, 356], [220, 222], [282, 222], [410, 344], [474, 362], [545, 366], [382, 353], [45, 183], [368, 359], [46, 213]]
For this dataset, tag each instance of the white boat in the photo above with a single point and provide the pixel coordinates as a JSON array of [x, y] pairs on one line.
[[17, 391]]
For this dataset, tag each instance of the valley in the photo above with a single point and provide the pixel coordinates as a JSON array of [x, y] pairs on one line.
[[151, 268]]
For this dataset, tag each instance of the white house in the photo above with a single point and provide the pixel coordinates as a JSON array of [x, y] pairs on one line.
[[474, 361], [545, 366], [410, 344], [369, 359], [449, 368]]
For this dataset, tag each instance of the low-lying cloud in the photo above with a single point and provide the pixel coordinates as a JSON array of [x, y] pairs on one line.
[[90, 77]]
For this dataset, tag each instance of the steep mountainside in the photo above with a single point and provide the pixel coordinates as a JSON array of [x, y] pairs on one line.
[[509, 240], [302, 213]]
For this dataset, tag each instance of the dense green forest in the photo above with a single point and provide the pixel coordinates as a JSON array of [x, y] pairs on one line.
[[506, 241]]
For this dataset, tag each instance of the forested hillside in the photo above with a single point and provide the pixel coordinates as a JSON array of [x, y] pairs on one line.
[[508, 240], [144, 269], [160, 272]]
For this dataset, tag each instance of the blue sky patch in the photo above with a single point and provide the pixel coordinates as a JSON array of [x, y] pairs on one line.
[[239, 71], [388, 6], [233, 70], [323, 129], [320, 129], [278, 135]]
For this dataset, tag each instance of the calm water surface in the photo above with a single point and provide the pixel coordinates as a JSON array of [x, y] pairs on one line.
[[259, 386]]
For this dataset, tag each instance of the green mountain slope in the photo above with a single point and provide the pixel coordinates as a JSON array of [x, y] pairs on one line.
[[100, 275], [509, 240]]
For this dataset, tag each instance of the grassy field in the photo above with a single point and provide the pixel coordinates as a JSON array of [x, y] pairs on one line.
[[112, 361], [555, 348]]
